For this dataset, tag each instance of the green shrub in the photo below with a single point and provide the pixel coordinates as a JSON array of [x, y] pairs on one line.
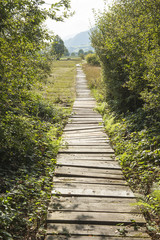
[[92, 59]]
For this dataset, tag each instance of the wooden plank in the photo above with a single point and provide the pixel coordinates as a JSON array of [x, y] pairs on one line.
[[94, 217], [71, 127], [93, 164], [84, 104], [89, 180], [96, 187], [84, 136], [73, 189], [81, 142], [82, 113], [96, 230], [85, 111], [74, 121], [94, 204], [90, 148], [88, 131], [83, 149], [86, 118], [85, 142], [84, 171], [97, 140], [84, 108], [91, 136], [80, 125], [81, 174], [90, 237], [89, 156]]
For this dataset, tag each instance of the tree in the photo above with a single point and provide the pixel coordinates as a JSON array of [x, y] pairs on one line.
[[73, 54], [23, 62], [22, 36], [66, 52], [57, 48], [81, 53], [126, 40]]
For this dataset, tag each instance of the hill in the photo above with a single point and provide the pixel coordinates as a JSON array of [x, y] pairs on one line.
[[80, 41]]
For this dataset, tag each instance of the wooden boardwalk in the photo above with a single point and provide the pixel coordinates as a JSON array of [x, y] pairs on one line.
[[90, 196]]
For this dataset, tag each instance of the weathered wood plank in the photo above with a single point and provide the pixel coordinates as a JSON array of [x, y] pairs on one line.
[[96, 230], [85, 114], [82, 142], [94, 217], [74, 189], [87, 157], [88, 132], [93, 164], [90, 237], [83, 125], [71, 127], [88, 172], [89, 180], [85, 99], [85, 136], [94, 204], [86, 118], [85, 132], [88, 149], [84, 104], [79, 147], [83, 121]]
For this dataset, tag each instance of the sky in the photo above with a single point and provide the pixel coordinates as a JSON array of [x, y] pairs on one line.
[[82, 20]]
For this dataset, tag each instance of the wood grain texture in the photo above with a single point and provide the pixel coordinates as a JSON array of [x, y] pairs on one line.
[[90, 195]]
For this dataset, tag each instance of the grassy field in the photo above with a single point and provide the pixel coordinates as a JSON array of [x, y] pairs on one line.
[[94, 79], [59, 88]]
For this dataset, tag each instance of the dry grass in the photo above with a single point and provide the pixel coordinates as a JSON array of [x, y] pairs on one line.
[[59, 88], [95, 81]]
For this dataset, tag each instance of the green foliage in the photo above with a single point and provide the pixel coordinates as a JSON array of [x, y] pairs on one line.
[[30, 127], [126, 40], [92, 59], [66, 52], [57, 47], [135, 139]]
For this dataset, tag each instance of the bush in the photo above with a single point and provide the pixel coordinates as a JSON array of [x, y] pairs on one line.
[[126, 39], [92, 59]]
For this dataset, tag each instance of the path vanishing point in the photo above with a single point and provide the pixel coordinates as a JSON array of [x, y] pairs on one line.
[[91, 200]]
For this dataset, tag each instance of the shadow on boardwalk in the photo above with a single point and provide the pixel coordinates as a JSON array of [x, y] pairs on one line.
[[91, 199]]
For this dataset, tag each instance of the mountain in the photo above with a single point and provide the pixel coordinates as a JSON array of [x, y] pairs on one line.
[[80, 41]]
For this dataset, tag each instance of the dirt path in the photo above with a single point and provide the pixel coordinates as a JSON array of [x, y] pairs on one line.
[[90, 195]]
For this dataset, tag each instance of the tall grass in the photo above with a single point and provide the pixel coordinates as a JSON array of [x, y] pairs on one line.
[[95, 82], [59, 88]]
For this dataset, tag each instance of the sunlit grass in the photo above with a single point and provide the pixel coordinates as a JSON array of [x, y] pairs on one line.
[[59, 87], [95, 81]]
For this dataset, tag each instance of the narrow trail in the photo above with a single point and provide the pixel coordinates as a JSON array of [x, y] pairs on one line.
[[90, 195]]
